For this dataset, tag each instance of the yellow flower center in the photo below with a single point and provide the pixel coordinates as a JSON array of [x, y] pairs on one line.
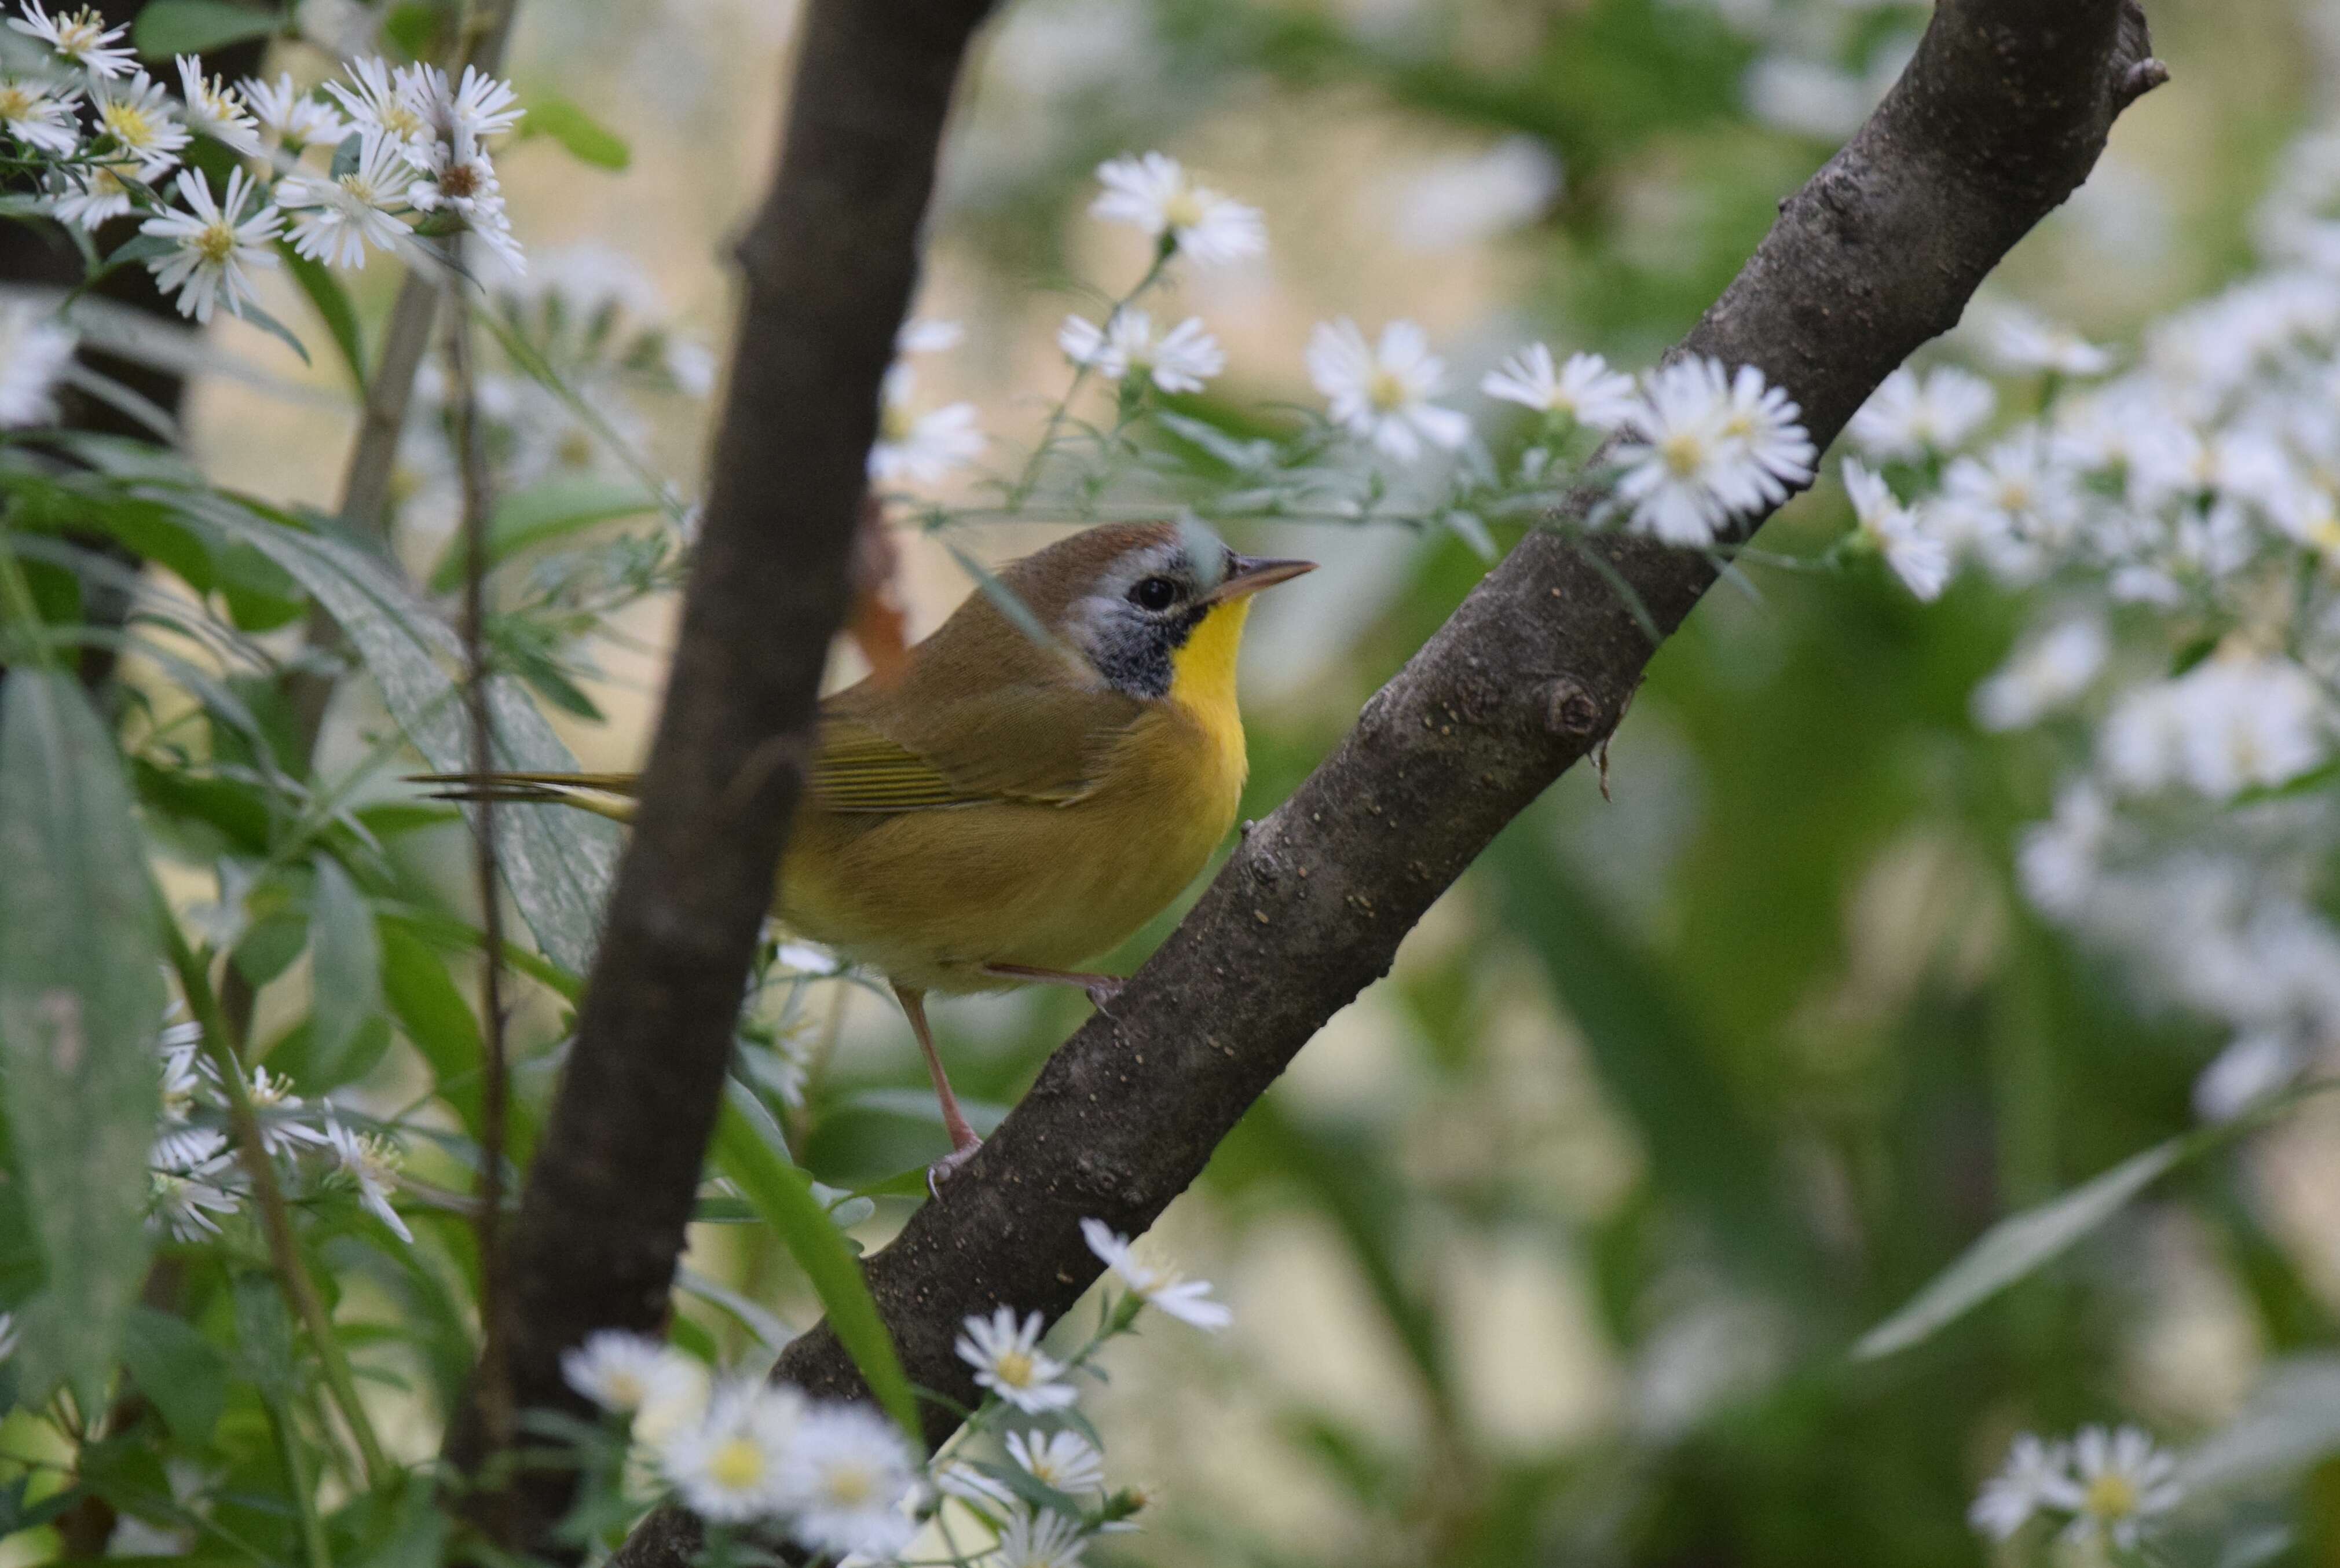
[[1388, 392], [2015, 496], [1683, 453], [1184, 210], [79, 30], [15, 104], [894, 423], [400, 120], [626, 1390], [851, 1486], [130, 124], [2111, 1496], [736, 1465], [1014, 1368]]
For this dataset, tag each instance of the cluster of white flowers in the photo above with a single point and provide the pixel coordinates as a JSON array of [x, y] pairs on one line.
[[2176, 525], [2106, 1486], [406, 147], [194, 1179], [842, 1480]]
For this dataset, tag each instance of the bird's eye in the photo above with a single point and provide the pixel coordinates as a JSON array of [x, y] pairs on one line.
[[1154, 593]]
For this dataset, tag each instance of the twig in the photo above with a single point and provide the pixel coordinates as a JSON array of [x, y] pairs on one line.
[[494, 1391], [275, 1214]]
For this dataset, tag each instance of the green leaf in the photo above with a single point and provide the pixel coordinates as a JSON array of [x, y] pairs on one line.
[[435, 1016], [1654, 1057], [80, 1001], [271, 325], [168, 27], [2014, 1247], [757, 1164], [346, 961], [540, 513], [333, 307], [557, 864], [183, 1373], [588, 140]]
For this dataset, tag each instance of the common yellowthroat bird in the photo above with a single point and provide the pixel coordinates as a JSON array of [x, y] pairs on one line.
[[1008, 807]]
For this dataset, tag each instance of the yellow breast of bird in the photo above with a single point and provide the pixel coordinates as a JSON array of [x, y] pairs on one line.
[[929, 897]]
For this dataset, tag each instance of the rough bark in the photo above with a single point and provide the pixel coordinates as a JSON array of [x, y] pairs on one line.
[[1999, 117], [828, 265]]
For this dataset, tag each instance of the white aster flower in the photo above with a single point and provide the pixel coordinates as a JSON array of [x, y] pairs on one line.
[[94, 195], [1381, 391], [2061, 860], [1156, 195], [1458, 202], [80, 37], [2233, 722], [1584, 390], [138, 116], [41, 114], [1064, 1459], [184, 1197], [1187, 1300], [1042, 1539], [2043, 675], [2120, 1480], [1764, 426], [633, 1374], [915, 448], [2021, 340], [955, 1477], [216, 109], [208, 266], [34, 350], [292, 118], [728, 1465], [2012, 507], [397, 103], [1678, 467], [2250, 1069], [279, 1109], [1910, 415], [846, 1479], [478, 106], [1918, 557], [372, 1162], [922, 335], [1008, 1360], [340, 215], [1179, 361], [2009, 1499]]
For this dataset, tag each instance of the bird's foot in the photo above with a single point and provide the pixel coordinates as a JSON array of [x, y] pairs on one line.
[[1103, 991], [942, 1170]]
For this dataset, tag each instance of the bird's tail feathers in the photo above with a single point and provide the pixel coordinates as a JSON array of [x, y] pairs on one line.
[[609, 795]]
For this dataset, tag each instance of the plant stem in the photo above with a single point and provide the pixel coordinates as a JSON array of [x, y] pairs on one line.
[[1031, 474], [301, 1483], [275, 1213], [495, 1362]]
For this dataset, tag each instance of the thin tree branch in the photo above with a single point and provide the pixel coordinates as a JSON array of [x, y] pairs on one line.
[[495, 1392], [828, 265], [1999, 117]]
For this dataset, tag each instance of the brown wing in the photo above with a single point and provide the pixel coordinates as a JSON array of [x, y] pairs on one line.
[[1036, 743]]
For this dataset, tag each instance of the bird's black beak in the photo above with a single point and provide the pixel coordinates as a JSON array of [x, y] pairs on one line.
[[1247, 574]]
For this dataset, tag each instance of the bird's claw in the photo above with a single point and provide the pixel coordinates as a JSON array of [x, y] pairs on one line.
[[943, 1169], [1103, 991]]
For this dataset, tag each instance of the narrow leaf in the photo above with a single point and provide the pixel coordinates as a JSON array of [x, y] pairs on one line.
[[334, 308], [782, 1194], [538, 514], [80, 1003], [2014, 1247], [346, 963], [180, 1372], [168, 27], [587, 139]]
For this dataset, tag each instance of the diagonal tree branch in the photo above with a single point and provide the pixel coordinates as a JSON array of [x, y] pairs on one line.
[[1999, 117], [828, 265]]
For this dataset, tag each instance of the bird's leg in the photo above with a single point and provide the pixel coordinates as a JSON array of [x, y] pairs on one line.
[[964, 1143], [1101, 988]]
